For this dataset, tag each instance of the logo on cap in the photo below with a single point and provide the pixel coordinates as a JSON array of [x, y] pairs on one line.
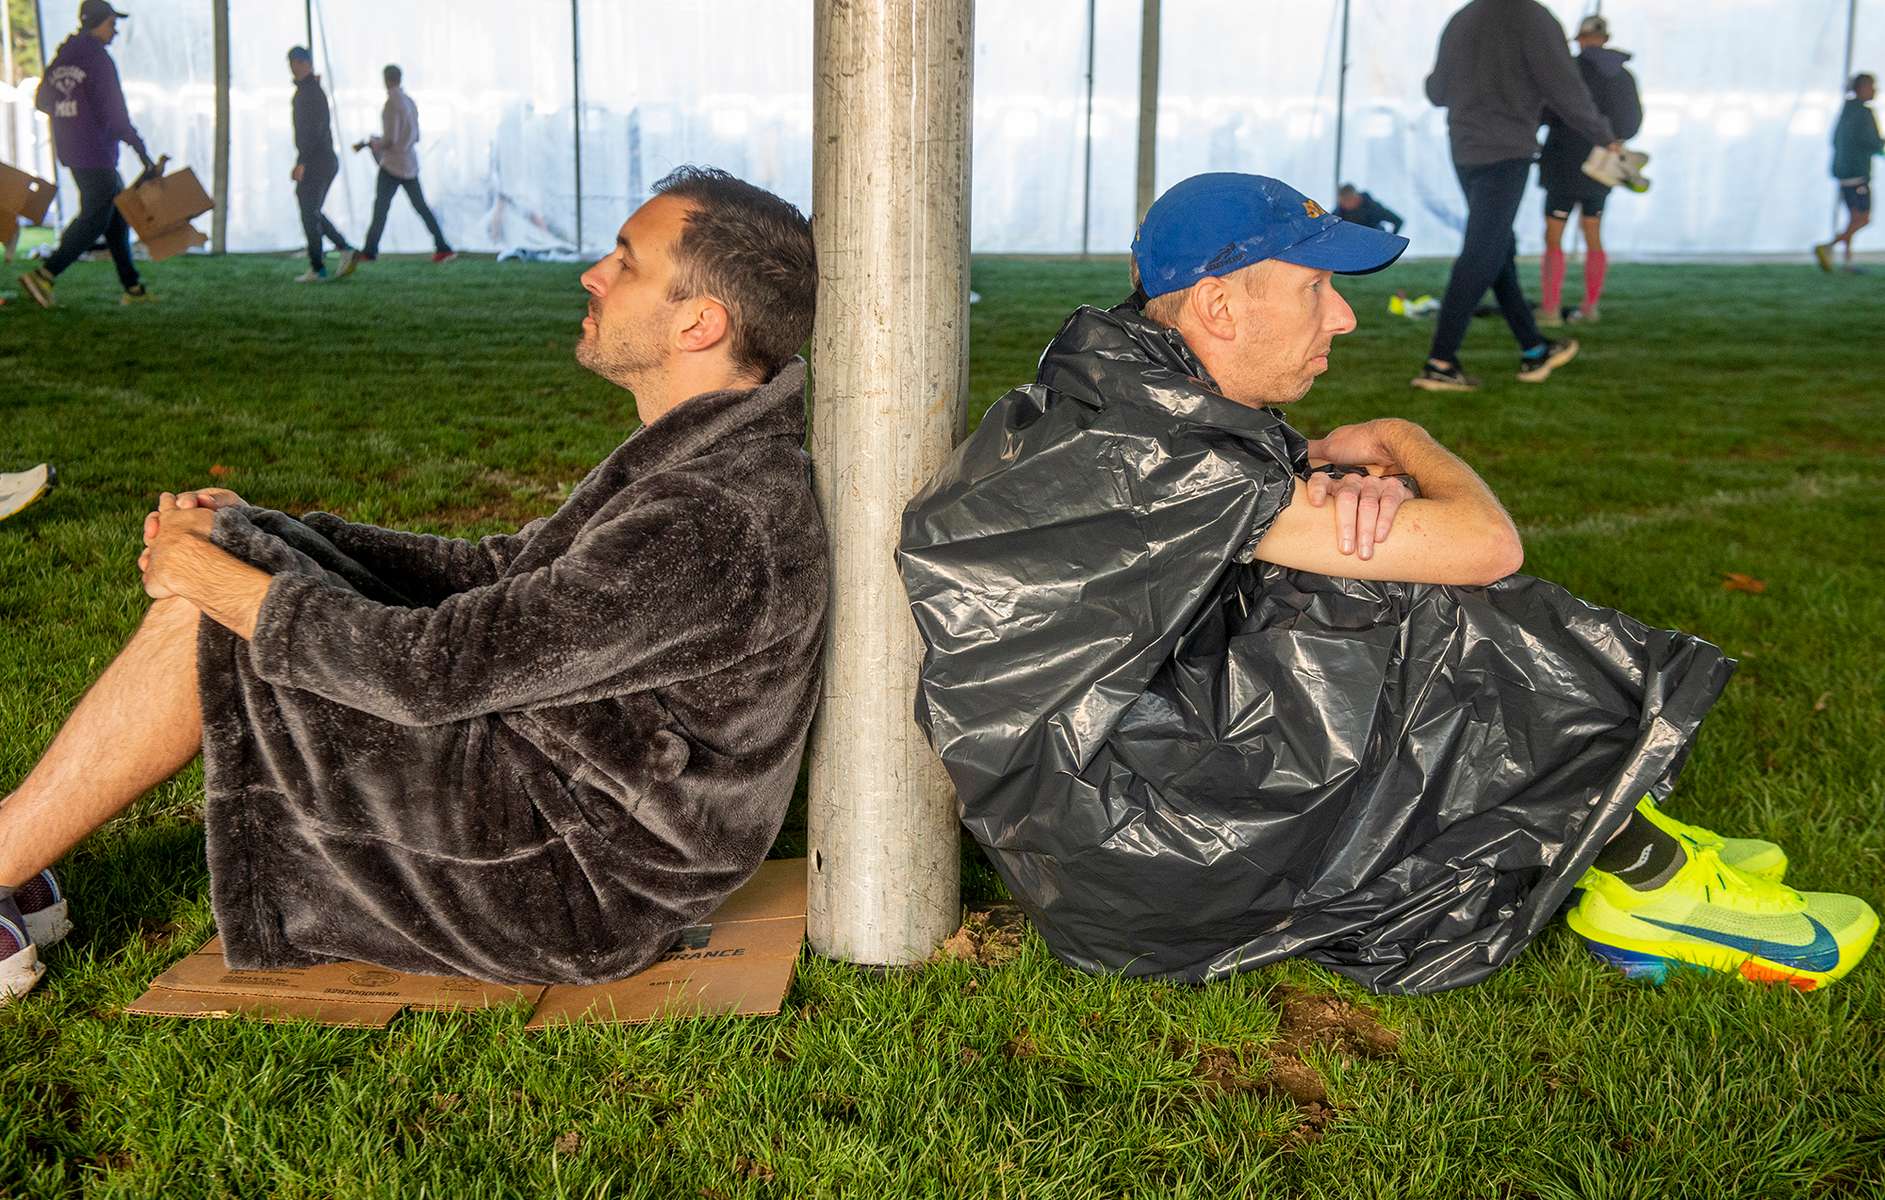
[[1313, 209]]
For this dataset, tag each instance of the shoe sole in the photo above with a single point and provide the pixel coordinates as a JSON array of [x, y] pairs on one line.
[[1441, 385], [49, 925], [1641, 958], [20, 974], [31, 285], [347, 268]]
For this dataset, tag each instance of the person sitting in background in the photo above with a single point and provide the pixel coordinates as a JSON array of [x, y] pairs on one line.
[[1213, 694], [1561, 172], [1363, 209], [533, 758], [1855, 140]]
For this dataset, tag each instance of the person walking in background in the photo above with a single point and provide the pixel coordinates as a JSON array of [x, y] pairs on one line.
[[82, 95], [1855, 141], [316, 165], [1500, 63], [1561, 171], [1360, 208], [394, 148]]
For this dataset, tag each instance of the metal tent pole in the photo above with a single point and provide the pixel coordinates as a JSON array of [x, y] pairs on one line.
[[1341, 101], [219, 223], [58, 193], [1086, 184], [1147, 183], [1845, 77], [890, 209], [576, 88]]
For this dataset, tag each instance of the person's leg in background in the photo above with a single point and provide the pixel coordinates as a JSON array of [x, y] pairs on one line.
[[309, 191], [1493, 191], [1551, 268], [118, 238], [1513, 306], [97, 189], [1596, 262], [416, 194], [384, 188]]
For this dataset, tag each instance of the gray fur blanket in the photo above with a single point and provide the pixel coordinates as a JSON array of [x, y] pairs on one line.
[[534, 758]]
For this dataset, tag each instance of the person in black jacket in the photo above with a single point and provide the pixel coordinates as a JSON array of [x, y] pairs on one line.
[[1855, 140], [316, 164], [1500, 63], [1560, 170], [1360, 208]]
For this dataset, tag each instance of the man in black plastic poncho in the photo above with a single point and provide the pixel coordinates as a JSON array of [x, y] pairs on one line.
[[1213, 695]]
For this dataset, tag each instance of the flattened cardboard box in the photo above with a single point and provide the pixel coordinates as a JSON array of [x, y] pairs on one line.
[[160, 211], [738, 961], [24, 200]]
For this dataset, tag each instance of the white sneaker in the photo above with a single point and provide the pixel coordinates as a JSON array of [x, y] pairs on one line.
[[1632, 166], [21, 488], [311, 276], [1604, 165]]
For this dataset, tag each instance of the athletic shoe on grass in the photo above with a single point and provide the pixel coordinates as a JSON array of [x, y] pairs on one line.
[[444, 256], [312, 275], [1582, 316], [21, 488], [349, 263], [37, 283], [137, 295], [1822, 253], [20, 968], [43, 905], [1435, 378], [1715, 917], [1548, 319], [1538, 368], [1750, 856]]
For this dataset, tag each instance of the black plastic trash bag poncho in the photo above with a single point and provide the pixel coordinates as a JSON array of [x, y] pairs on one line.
[[1185, 763]]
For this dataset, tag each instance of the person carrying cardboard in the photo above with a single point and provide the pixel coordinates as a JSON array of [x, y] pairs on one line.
[[1214, 694], [82, 95], [534, 758]]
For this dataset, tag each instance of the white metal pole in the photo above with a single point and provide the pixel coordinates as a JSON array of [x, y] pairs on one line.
[[890, 209], [219, 223], [1086, 136], [1147, 189], [1341, 102]]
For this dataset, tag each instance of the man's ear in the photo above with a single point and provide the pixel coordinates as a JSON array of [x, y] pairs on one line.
[[707, 324], [1210, 305]]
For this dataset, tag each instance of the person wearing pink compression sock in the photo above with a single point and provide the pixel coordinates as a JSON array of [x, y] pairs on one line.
[[1596, 262], [1560, 171], [1551, 276]]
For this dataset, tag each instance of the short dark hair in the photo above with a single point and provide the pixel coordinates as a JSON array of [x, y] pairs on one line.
[[392, 73], [300, 54], [751, 251], [1347, 189], [1863, 77]]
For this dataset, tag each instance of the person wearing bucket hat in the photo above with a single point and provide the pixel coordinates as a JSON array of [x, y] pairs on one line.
[[82, 96]]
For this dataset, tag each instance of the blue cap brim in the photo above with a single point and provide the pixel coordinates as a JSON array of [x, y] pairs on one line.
[[1346, 249]]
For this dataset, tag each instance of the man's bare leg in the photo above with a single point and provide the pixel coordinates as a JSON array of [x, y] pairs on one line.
[[141, 723]]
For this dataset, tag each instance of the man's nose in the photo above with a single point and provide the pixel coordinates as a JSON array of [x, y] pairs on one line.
[[592, 281], [1341, 316]]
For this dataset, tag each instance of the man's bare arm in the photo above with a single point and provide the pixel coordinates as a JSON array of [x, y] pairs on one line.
[[1457, 532]]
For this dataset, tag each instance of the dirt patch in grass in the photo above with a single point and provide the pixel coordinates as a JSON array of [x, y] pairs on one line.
[[990, 935], [1312, 1018]]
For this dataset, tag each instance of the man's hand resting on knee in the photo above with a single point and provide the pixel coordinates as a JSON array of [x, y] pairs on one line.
[[178, 560]]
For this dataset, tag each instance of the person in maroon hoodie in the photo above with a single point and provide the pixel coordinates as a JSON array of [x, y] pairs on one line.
[[82, 96]]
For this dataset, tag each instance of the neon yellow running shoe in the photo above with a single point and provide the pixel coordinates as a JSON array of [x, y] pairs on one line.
[[1750, 856], [1711, 915]]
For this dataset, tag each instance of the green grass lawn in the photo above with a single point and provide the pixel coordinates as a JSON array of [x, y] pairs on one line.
[[1719, 420]]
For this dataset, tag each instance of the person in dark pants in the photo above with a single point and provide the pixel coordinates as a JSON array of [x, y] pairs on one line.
[[1567, 187], [1855, 140], [82, 95], [1360, 208], [1500, 63], [316, 164], [395, 149]]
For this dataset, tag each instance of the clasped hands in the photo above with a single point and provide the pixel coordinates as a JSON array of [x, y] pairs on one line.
[[1364, 504], [178, 559]]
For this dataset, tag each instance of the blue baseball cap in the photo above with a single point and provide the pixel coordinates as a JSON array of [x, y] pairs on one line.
[[1218, 223]]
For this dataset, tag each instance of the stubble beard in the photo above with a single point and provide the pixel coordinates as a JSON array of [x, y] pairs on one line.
[[623, 358]]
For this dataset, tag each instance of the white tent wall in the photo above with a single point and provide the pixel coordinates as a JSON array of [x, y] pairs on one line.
[[1251, 87], [1740, 101], [726, 85]]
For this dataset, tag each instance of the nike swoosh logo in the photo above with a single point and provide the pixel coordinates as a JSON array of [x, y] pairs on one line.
[[1820, 954]]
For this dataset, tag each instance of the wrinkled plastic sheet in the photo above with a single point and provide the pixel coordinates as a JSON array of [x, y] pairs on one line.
[[1184, 763]]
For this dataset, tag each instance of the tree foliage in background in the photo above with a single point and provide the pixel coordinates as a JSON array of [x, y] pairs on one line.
[[25, 38]]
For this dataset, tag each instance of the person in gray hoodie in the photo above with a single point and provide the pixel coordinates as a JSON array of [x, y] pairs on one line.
[[534, 758], [82, 95], [1500, 63]]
